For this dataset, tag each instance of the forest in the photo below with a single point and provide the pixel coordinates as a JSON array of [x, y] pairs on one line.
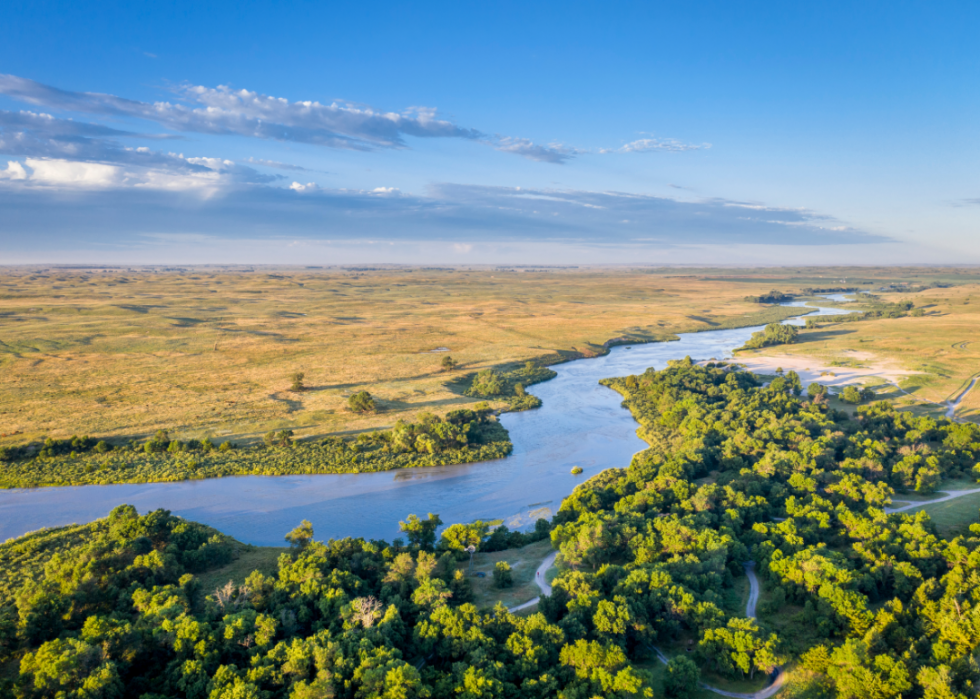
[[860, 602]]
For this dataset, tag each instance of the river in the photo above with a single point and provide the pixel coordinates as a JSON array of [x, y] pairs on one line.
[[580, 424]]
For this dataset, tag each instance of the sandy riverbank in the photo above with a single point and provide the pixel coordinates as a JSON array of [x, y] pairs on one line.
[[872, 370]]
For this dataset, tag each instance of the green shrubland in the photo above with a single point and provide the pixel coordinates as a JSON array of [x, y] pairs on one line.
[[463, 436]]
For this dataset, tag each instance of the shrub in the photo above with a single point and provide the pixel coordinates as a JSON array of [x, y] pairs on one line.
[[362, 402], [502, 576], [774, 334], [488, 383], [448, 363], [815, 389], [297, 379], [576, 470], [851, 395]]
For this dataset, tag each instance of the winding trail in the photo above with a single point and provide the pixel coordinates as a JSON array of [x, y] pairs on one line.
[[779, 677], [753, 589], [955, 402], [539, 578], [952, 495]]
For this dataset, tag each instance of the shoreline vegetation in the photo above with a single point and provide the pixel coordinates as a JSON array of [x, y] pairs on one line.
[[462, 436], [650, 556]]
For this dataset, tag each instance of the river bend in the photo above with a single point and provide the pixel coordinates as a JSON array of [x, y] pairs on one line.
[[580, 424]]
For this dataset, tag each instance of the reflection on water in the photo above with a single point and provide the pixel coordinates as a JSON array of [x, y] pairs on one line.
[[580, 424]]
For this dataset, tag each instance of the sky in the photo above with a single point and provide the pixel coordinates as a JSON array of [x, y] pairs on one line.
[[489, 133]]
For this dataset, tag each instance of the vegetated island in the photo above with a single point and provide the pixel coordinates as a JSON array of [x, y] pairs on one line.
[[462, 436], [652, 562]]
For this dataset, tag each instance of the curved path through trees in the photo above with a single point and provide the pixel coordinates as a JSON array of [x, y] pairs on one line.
[[753, 589], [780, 677], [539, 578], [952, 495]]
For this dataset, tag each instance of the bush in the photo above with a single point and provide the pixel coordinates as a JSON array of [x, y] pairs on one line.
[[502, 576], [448, 363], [488, 383], [576, 470], [774, 334], [851, 395], [297, 380], [362, 402], [815, 389], [681, 678]]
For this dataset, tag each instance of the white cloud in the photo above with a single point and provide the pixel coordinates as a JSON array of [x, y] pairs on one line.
[[656, 144], [59, 173], [66, 173], [225, 111], [554, 153], [13, 171], [222, 110]]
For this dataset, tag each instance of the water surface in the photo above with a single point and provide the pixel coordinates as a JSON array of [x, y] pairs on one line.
[[580, 424]]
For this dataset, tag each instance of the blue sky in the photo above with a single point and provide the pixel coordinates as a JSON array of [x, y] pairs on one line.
[[482, 133]]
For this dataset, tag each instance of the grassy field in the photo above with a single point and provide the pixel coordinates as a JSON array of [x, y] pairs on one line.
[[209, 351], [943, 344], [523, 562]]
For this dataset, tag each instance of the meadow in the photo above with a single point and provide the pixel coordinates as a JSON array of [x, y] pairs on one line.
[[121, 353]]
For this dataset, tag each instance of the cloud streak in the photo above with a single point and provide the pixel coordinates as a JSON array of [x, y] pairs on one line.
[[450, 213], [225, 111]]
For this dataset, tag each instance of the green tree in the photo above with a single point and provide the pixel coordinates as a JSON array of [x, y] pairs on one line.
[[362, 402], [502, 576], [815, 389], [681, 678], [459, 537], [774, 334], [851, 395], [488, 383], [421, 533], [448, 363], [297, 381], [301, 536]]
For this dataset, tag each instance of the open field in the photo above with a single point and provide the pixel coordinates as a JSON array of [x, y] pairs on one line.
[[209, 351], [941, 349], [523, 562]]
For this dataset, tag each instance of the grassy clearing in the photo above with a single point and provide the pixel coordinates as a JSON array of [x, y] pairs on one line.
[[249, 558], [209, 351], [523, 562], [953, 517]]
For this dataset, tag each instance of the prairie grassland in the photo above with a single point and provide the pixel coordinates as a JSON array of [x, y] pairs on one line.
[[209, 351], [943, 344]]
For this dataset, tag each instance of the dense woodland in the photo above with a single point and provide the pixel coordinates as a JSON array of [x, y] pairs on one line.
[[463, 436], [869, 604]]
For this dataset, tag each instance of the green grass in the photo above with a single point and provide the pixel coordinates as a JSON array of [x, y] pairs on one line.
[[953, 517], [249, 558], [524, 563]]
